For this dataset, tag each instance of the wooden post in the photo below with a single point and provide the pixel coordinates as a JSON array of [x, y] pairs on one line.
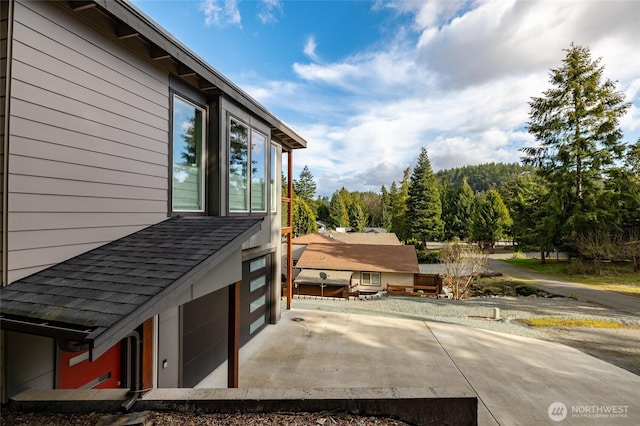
[[290, 225], [233, 346]]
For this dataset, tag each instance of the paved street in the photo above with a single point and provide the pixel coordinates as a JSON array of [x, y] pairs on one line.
[[555, 285]]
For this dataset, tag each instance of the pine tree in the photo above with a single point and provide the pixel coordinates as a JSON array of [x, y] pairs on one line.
[[576, 123], [386, 208], [424, 208], [466, 206], [305, 187], [490, 220], [338, 215], [400, 224]]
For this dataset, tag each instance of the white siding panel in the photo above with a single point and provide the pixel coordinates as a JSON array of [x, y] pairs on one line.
[[89, 139]]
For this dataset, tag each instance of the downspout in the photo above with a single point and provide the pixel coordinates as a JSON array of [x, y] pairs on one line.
[[5, 147], [133, 370], [4, 257]]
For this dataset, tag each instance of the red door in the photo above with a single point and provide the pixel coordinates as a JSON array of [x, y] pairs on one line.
[[76, 371]]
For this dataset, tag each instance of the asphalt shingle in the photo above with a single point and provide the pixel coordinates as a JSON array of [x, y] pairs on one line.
[[102, 287]]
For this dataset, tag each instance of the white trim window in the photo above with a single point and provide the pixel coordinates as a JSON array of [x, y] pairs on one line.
[[371, 279], [189, 124]]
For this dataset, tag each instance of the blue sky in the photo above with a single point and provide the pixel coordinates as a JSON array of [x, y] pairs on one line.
[[370, 83]]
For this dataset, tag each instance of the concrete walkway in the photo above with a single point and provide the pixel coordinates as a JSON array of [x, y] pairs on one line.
[[618, 301], [516, 379]]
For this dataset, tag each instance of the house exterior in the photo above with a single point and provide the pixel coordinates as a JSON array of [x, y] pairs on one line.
[[364, 268], [138, 248]]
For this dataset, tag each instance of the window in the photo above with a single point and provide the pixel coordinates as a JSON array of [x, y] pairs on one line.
[[258, 264], [238, 166], [258, 172], [274, 189], [371, 278], [188, 156], [247, 168]]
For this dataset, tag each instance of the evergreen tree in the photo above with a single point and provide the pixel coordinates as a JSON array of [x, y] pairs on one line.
[[357, 217], [305, 187], [491, 220], [322, 207], [466, 206], [304, 220], [338, 215], [449, 199], [424, 208], [386, 208], [576, 123], [400, 224]]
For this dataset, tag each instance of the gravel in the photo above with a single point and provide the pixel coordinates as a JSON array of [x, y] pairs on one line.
[[475, 312], [194, 419]]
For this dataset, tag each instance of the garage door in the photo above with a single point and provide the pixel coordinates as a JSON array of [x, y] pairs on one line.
[[255, 297], [204, 335]]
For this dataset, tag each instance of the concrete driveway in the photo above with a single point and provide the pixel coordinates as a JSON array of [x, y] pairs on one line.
[[517, 380]]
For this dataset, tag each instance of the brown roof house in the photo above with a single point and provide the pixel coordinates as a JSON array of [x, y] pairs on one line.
[[363, 268], [141, 223]]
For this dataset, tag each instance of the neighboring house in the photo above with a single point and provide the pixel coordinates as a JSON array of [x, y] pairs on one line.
[[301, 243], [357, 267], [387, 238], [140, 240]]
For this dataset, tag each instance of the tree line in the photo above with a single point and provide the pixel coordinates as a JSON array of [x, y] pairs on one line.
[[577, 189]]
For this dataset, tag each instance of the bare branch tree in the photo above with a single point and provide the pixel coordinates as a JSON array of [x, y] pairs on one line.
[[462, 264]]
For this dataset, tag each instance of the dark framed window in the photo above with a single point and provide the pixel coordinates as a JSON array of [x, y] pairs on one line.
[[248, 186], [188, 168]]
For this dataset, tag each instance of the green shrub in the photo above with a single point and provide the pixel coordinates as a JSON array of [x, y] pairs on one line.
[[526, 290], [519, 255], [430, 256], [491, 291]]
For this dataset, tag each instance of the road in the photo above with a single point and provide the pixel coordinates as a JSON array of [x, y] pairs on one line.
[[617, 301]]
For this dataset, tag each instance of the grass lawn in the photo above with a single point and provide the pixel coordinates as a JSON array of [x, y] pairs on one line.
[[616, 277], [571, 322]]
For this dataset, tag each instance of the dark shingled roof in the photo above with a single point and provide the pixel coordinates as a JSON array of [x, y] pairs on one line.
[[107, 292]]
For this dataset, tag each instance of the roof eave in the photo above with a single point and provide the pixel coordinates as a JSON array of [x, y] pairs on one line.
[[130, 15]]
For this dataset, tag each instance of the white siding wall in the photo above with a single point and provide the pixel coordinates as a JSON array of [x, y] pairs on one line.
[[385, 278], [88, 140]]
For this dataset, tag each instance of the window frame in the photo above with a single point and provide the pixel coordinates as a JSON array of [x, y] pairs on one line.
[[247, 195], [203, 157], [252, 130], [371, 274], [265, 160]]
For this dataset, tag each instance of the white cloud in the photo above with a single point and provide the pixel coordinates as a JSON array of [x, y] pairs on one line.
[[310, 48], [460, 87], [270, 11], [221, 12]]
